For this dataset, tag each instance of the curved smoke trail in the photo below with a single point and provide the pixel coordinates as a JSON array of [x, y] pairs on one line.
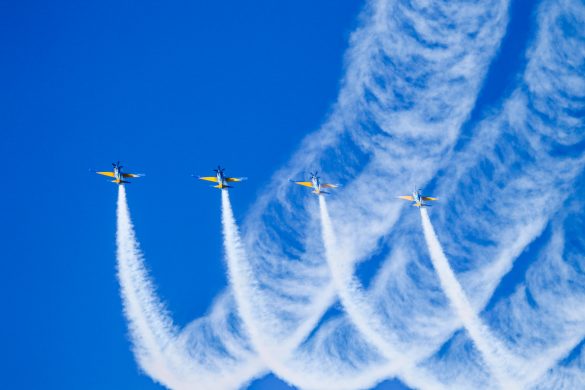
[[280, 357], [151, 328], [205, 355], [499, 361], [356, 302]]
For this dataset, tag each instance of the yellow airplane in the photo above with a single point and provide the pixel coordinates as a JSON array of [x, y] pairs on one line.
[[315, 184], [221, 180], [418, 198], [118, 175]]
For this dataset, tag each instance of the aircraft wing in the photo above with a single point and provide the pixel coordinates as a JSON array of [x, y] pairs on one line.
[[208, 178], [304, 183], [132, 175], [428, 198], [407, 197], [329, 185], [235, 178], [110, 174]]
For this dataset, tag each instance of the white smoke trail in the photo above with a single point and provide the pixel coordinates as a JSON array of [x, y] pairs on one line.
[[246, 293], [401, 362], [284, 358], [151, 328], [355, 301], [192, 359], [494, 354]]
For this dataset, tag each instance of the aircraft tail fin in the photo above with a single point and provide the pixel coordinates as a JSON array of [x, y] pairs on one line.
[[221, 187]]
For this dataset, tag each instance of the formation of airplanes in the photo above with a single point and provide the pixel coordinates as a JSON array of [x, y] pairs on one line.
[[418, 199]]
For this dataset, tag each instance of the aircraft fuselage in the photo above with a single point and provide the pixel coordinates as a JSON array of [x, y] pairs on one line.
[[316, 184], [221, 180], [417, 196], [117, 174]]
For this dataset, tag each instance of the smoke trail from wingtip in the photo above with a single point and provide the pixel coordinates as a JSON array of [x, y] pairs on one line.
[[493, 353]]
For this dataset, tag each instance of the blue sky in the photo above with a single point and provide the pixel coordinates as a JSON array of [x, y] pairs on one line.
[[174, 89]]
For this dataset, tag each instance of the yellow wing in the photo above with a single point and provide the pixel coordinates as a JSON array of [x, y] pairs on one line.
[[329, 185], [110, 174], [407, 197], [429, 198], [209, 178], [235, 178], [130, 175], [304, 183]]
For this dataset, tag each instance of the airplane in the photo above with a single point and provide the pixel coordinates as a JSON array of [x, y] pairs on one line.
[[418, 198], [118, 175], [220, 178], [315, 183]]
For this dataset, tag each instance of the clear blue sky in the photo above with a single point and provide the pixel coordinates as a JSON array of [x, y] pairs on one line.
[[170, 89]]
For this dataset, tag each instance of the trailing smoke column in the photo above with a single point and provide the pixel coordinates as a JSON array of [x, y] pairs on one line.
[[240, 273], [151, 329], [353, 298], [494, 354]]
